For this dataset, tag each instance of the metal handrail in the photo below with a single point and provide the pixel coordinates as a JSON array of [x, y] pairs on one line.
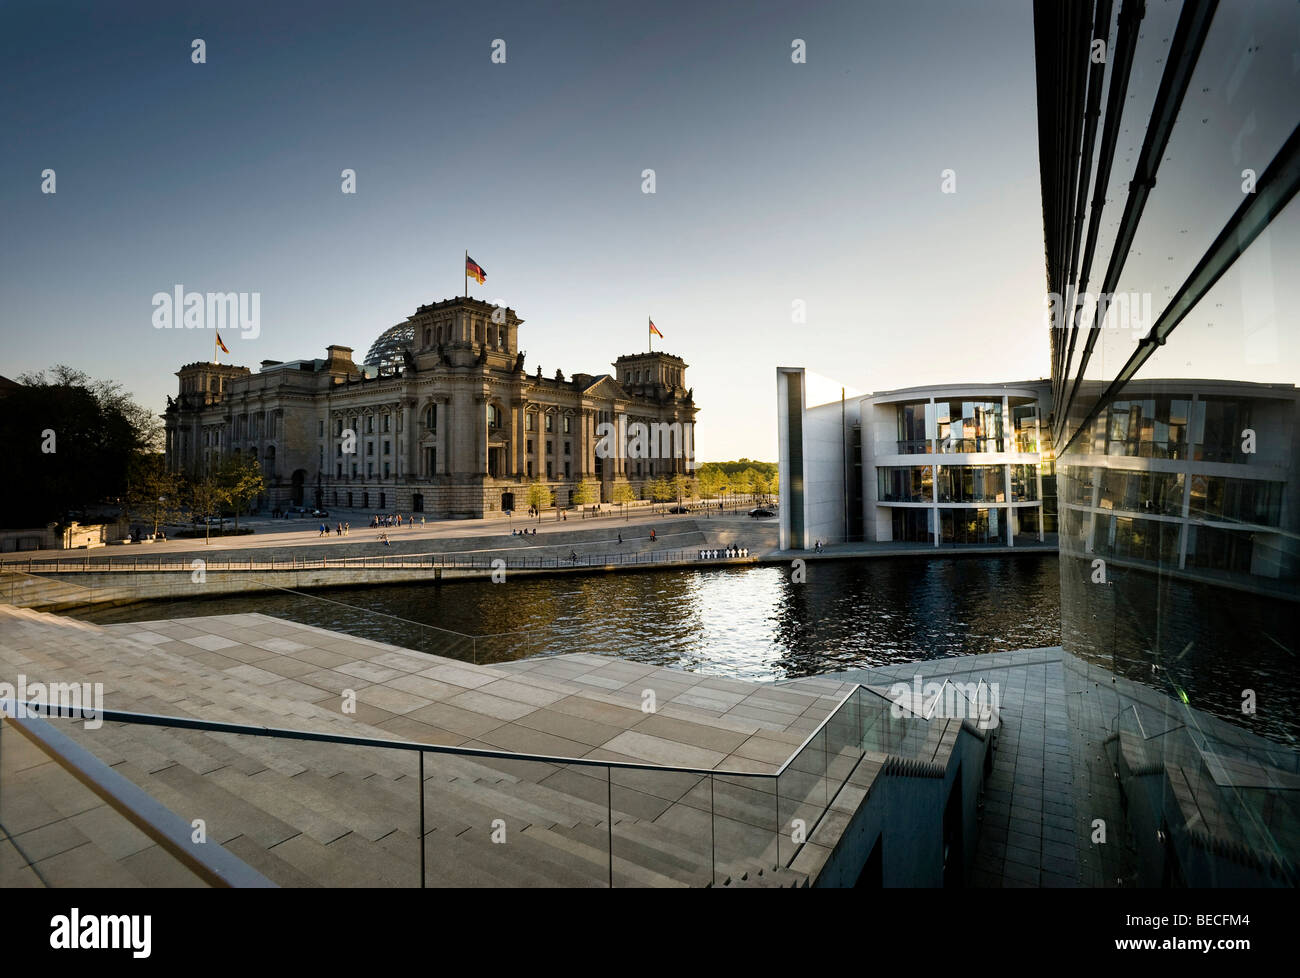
[[369, 562], [213, 864]]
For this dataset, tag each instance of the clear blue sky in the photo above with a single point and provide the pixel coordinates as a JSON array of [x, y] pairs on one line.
[[775, 182]]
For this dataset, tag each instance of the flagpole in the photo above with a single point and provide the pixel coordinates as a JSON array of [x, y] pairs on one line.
[[466, 273], [214, 347]]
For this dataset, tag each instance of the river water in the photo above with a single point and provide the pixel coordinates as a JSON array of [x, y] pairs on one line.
[[751, 622]]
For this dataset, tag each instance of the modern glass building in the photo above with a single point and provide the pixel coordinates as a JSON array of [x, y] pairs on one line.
[[1170, 159], [945, 465], [955, 464]]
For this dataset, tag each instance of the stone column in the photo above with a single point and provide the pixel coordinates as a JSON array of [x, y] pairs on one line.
[[521, 439], [445, 422], [480, 441]]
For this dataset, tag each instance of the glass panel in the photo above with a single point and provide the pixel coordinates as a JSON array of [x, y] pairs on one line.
[[663, 827], [803, 794], [745, 825]]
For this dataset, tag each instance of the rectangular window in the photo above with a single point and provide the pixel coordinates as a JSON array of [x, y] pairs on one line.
[[550, 422], [386, 470], [568, 425], [548, 446], [387, 446], [566, 448], [321, 429]]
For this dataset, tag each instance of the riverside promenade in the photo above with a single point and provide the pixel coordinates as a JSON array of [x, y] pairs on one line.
[[283, 554]]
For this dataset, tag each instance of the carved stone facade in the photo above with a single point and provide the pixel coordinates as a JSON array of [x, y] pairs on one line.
[[446, 420]]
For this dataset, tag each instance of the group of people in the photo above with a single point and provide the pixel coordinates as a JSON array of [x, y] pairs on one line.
[[723, 553], [525, 532], [340, 529], [393, 520]]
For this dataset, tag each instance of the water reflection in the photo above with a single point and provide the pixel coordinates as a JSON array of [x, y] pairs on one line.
[[1200, 643], [751, 623]]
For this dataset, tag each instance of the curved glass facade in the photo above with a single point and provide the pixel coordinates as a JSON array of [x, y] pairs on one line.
[[1177, 435], [985, 484], [969, 426]]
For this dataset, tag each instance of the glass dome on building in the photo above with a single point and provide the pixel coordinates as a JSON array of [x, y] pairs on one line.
[[388, 352]]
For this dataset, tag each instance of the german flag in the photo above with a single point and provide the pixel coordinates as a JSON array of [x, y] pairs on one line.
[[222, 345], [655, 329], [474, 270]]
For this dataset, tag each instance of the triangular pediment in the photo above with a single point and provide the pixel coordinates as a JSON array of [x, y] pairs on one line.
[[606, 386]]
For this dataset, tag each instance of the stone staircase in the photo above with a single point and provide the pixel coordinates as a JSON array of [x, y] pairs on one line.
[[317, 814]]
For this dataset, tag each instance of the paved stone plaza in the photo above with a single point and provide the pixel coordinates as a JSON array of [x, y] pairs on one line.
[[283, 806]]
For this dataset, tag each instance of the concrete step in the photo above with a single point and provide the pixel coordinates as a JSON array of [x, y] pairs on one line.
[[507, 802], [690, 868], [626, 873], [521, 860]]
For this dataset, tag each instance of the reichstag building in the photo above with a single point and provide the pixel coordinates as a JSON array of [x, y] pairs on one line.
[[441, 418]]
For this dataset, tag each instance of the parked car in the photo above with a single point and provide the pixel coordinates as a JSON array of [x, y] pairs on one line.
[[320, 514], [761, 513], [680, 509]]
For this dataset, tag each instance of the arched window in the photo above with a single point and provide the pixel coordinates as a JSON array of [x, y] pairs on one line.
[[431, 416], [493, 417]]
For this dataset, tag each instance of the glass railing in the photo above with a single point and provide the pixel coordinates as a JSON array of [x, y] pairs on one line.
[[642, 824]]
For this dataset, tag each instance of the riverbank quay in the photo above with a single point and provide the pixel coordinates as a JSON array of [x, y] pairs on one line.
[[867, 549]]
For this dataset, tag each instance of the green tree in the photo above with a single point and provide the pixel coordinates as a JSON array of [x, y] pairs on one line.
[[153, 495], [711, 483], [206, 497], [622, 494], [658, 490], [683, 487], [585, 494], [540, 496], [742, 482], [69, 443], [241, 479]]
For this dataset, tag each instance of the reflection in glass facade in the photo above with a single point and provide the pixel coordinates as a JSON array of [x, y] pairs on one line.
[[1169, 171], [969, 426], [910, 485], [989, 483]]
